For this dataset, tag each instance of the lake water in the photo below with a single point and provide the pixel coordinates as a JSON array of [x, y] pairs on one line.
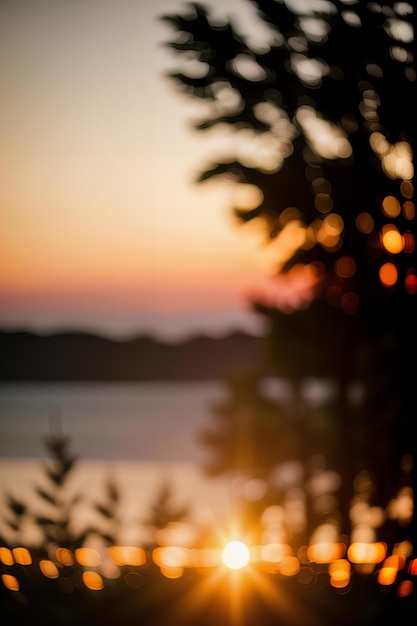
[[141, 434], [143, 422]]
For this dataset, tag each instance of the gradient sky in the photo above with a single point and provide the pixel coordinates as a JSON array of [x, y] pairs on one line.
[[102, 226]]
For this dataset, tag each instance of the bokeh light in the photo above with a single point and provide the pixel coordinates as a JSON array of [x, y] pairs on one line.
[[345, 267], [391, 207], [87, 557], [6, 556], [48, 568], [411, 283], [405, 588], [388, 274], [365, 223], [367, 552], [127, 555], [10, 582], [392, 239], [22, 556], [93, 580], [64, 556], [340, 572], [409, 210]]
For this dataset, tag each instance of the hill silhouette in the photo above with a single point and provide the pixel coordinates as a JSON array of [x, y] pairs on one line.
[[78, 356]]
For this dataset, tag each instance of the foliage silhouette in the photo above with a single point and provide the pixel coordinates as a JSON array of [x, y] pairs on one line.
[[56, 523], [329, 97], [18, 512], [164, 511], [59, 510], [109, 512], [251, 434]]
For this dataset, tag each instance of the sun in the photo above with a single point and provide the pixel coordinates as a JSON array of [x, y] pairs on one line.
[[235, 555]]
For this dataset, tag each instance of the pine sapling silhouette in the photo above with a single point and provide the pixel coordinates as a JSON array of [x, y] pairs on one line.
[[57, 524], [109, 513], [17, 514], [164, 511]]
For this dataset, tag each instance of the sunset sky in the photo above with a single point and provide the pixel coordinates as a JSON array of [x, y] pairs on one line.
[[102, 226]]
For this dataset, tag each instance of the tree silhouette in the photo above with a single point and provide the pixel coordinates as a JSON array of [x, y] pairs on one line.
[[252, 433], [325, 109], [18, 511], [164, 511], [59, 508], [109, 512], [56, 524]]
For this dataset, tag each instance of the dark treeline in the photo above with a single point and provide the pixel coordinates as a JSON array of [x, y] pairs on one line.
[[76, 356]]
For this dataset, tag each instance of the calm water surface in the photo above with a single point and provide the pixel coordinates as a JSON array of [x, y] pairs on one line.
[[150, 422]]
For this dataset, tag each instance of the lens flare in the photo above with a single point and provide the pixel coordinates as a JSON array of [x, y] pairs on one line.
[[235, 555]]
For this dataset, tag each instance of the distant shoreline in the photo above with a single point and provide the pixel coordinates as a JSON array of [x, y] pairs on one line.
[[28, 356]]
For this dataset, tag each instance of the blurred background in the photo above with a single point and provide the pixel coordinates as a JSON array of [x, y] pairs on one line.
[[208, 294]]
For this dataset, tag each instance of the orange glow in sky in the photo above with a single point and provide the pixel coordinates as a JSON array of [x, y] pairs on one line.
[[100, 219]]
